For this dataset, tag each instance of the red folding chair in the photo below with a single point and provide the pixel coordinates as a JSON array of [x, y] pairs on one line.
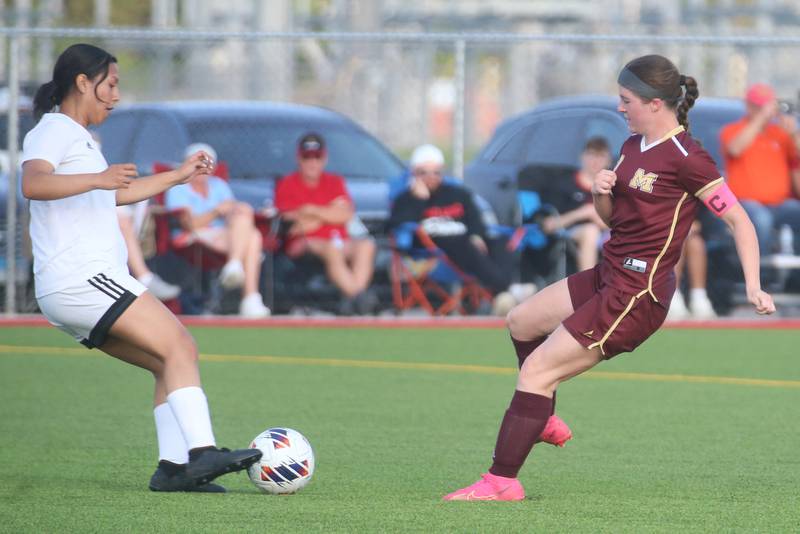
[[183, 244]]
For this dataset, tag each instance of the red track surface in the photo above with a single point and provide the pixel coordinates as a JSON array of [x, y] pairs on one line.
[[401, 322]]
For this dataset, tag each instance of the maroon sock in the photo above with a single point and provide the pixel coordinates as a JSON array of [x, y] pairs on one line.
[[525, 348], [522, 424]]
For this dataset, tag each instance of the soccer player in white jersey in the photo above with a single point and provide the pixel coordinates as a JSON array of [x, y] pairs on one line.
[[82, 282]]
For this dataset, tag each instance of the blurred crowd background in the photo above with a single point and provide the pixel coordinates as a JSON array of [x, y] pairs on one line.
[[446, 72]]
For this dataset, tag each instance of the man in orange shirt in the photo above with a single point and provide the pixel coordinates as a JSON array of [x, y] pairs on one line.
[[763, 166]]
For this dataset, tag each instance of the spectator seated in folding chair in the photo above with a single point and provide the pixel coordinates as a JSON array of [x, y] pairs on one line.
[[210, 217], [318, 210], [564, 210], [451, 229]]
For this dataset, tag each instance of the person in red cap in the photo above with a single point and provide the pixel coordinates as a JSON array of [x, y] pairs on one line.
[[319, 208], [761, 158]]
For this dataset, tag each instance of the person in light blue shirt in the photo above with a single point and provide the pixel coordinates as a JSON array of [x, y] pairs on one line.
[[202, 200], [214, 217]]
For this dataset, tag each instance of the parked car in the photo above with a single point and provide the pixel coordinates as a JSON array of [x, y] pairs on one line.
[[555, 132], [258, 142], [552, 136]]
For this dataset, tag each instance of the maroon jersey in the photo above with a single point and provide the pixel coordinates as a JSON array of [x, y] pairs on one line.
[[655, 202]]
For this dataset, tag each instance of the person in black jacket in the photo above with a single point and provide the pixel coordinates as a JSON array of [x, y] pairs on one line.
[[447, 212]]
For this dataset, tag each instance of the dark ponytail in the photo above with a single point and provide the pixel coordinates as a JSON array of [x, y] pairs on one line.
[[689, 96], [76, 60], [47, 97], [655, 76]]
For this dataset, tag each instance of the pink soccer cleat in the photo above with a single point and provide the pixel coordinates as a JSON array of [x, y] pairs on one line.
[[490, 488], [556, 432]]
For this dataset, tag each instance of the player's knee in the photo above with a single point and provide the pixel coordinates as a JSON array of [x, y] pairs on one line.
[[157, 369], [514, 322], [184, 348]]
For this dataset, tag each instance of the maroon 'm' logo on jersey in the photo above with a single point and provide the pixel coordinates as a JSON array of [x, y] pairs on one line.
[[643, 181]]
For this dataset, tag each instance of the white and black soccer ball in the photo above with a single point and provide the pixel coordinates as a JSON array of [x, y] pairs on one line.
[[287, 463]]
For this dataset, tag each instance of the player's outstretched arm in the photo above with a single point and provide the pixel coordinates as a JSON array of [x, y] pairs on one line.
[[747, 247], [144, 188], [40, 183]]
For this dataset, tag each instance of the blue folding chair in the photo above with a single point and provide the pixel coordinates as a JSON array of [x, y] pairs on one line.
[[425, 277]]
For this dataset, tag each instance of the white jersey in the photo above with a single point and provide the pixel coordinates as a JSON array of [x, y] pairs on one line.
[[76, 237]]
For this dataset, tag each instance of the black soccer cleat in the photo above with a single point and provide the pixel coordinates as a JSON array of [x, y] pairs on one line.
[[172, 477], [208, 463]]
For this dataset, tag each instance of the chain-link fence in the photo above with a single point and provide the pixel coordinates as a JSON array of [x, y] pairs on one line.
[[405, 89]]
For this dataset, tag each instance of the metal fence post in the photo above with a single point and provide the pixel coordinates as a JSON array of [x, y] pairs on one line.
[[458, 115], [11, 199]]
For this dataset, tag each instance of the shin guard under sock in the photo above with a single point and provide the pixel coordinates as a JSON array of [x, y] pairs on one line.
[[522, 424]]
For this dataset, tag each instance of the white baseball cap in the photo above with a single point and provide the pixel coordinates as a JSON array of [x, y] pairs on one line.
[[426, 154], [197, 147]]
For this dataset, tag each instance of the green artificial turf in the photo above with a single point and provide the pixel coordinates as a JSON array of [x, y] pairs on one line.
[[652, 452]]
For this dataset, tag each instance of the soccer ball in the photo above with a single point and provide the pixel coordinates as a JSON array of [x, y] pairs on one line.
[[287, 463]]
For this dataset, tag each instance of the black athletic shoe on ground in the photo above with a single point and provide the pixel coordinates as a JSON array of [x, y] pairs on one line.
[[208, 463], [172, 477]]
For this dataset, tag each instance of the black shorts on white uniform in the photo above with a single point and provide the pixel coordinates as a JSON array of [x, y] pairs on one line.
[[88, 310]]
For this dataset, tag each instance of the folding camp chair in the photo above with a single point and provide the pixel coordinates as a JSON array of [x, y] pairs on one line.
[[425, 277]]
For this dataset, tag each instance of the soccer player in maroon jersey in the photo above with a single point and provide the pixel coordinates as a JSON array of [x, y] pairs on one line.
[[649, 201]]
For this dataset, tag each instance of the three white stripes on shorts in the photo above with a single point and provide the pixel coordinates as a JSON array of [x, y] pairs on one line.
[[107, 286]]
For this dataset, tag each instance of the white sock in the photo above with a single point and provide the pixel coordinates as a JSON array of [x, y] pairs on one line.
[[146, 278], [697, 294], [171, 445], [190, 407]]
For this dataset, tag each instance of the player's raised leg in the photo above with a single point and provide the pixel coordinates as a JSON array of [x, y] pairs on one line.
[[559, 358], [173, 454], [175, 348], [529, 324], [531, 321]]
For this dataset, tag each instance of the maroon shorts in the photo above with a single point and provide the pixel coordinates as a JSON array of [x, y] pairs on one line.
[[614, 320]]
